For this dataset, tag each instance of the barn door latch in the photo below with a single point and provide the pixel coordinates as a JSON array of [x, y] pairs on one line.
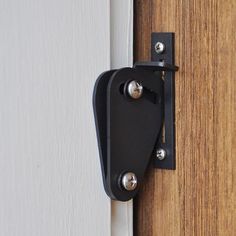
[[134, 116]]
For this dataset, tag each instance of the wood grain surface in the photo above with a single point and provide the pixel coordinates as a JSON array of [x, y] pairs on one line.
[[199, 197]]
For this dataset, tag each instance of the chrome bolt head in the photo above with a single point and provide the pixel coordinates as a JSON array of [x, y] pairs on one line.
[[159, 47], [161, 154], [135, 89], [129, 181]]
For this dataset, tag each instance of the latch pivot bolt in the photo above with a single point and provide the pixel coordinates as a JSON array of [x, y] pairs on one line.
[[135, 89], [129, 181]]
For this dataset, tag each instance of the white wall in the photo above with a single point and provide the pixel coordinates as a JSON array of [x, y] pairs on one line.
[[51, 52]]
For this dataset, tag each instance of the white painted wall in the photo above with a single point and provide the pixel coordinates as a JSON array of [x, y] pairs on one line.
[[51, 52]]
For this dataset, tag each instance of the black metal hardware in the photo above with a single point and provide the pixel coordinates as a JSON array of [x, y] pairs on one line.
[[129, 130], [167, 139]]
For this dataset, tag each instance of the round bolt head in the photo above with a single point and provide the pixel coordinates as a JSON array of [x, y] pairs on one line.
[[135, 89], [129, 181], [161, 154], [159, 47]]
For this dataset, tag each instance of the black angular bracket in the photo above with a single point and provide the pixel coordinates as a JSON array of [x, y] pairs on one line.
[[134, 116]]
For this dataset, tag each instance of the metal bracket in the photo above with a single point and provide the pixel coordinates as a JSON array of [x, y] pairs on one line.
[[166, 141], [163, 59], [130, 107]]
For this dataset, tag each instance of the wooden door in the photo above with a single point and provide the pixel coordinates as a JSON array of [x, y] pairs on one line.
[[51, 53], [199, 197]]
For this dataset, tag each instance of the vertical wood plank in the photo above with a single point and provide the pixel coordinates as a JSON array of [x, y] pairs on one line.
[[199, 197]]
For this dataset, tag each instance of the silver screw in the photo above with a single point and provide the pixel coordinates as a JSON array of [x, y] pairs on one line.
[[129, 181], [161, 154], [159, 47], [135, 89]]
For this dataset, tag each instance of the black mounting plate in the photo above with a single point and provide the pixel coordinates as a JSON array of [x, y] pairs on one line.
[[167, 139]]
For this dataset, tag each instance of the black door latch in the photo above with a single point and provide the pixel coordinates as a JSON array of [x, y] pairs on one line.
[[134, 116]]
